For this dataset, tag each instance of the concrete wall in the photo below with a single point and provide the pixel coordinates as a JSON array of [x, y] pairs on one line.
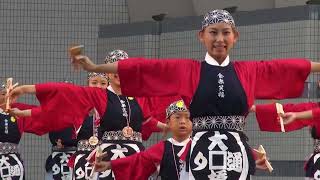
[[203, 6], [143, 10], [180, 8]]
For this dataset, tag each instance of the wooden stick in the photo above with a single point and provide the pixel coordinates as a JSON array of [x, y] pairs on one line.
[[8, 89], [97, 159], [259, 153], [262, 151], [280, 111], [15, 85], [76, 50]]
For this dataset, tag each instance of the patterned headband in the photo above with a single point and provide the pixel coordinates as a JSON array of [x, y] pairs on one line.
[[93, 74], [177, 106], [115, 56], [217, 16]]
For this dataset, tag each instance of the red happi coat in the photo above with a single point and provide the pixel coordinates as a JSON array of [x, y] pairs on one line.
[[176, 77], [180, 77], [64, 105]]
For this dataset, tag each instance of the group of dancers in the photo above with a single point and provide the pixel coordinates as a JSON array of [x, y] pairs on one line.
[[97, 131]]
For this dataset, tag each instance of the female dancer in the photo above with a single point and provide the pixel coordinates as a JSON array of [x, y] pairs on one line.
[[218, 93], [121, 116], [11, 130]]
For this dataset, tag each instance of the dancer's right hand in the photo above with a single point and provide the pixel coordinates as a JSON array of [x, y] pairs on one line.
[[288, 117], [253, 108], [2, 98], [84, 62], [20, 113], [102, 166], [15, 93], [20, 90], [261, 163]]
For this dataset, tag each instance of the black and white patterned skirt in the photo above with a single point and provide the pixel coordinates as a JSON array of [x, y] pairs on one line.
[[82, 169], [313, 167], [11, 167], [117, 147], [220, 154], [58, 163]]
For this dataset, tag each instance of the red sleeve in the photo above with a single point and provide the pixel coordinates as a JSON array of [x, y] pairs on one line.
[[154, 109], [267, 116], [140, 165], [316, 114], [23, 123], [29, 124], [38, 123], [22, 106], [148, 127], [160, 104], [149, 78], [145, 106], [316, 118], [274, 79], [150, 124], [32, 125], [255, 154], [66, 105], [298, 108]]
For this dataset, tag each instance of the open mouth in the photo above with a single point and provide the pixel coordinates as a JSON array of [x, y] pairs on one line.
[[182, 128], [220, 47]]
